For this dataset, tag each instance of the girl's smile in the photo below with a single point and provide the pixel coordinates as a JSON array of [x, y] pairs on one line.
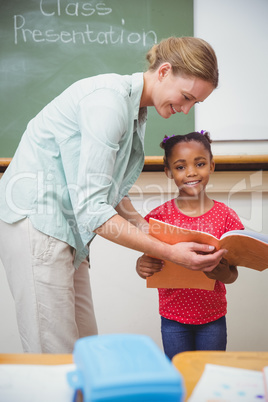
[[192, 183]]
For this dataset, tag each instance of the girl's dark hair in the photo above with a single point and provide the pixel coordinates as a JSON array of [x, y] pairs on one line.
[[168, 142]]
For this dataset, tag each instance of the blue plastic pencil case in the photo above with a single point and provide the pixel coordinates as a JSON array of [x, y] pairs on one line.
[[124, 367]]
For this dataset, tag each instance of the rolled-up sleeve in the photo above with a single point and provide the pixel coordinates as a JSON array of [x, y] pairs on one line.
[[102, 118]]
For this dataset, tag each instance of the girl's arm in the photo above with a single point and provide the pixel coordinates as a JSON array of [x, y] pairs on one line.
[[224, 272], [147, 266]]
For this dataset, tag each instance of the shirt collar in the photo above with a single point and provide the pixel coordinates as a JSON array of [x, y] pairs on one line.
[[136, 92]]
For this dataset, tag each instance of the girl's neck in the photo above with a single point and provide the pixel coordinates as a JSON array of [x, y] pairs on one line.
[[195, 206]]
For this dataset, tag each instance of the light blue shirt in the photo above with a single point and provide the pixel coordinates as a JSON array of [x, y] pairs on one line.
[[77, 159]]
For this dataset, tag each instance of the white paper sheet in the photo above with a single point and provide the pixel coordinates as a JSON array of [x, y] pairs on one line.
[[228, 384], [35, 383]]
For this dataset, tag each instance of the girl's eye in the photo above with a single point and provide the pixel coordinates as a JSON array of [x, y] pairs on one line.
[[186, 97], [180, 167], [201, 164]]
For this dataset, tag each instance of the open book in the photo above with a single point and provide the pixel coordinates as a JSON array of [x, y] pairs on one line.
[[245, 248]]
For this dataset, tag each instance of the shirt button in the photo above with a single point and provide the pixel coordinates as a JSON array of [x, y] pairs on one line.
[[50, 176]]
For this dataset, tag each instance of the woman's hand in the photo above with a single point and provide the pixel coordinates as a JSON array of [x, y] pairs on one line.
[[195, 256], [223, 272], [147, 266]]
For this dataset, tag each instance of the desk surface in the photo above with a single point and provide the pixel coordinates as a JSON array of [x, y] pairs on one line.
[[27, 358], [190, 364]]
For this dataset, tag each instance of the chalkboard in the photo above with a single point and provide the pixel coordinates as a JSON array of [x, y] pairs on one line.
[[46, 45]]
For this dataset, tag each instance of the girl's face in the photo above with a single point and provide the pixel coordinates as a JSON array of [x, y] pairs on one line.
[[190, 167], [174, 94]]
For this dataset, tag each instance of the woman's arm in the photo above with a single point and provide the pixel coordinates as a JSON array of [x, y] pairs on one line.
[[126, 209], [120, 231], [224, 272]]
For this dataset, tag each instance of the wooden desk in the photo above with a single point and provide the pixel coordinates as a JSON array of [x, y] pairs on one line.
[[192, 364], [189, 364], [27, 358]]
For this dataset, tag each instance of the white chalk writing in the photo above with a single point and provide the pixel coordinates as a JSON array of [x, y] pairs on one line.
[[82, 33], [75, 9]]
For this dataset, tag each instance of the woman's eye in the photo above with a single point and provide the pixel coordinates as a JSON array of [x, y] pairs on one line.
[[186, 97]]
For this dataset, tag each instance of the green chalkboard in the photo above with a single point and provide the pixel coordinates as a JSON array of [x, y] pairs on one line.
[[46, 45]]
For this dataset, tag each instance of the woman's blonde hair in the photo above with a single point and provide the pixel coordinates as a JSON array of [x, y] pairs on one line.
[[188, 56]]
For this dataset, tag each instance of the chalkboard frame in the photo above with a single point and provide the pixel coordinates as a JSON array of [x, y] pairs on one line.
[[223, 163]]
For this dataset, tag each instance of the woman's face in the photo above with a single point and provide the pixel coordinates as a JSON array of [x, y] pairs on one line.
[[173, 94]]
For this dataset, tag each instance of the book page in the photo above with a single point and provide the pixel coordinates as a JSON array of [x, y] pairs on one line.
[[35, 383], [265, 378], [245, 251], [222, 384], [254, 235]]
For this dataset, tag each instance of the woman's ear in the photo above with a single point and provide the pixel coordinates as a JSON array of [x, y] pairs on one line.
[[164, 70], [168, 173]]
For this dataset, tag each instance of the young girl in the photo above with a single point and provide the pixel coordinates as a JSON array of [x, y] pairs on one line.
[[192, 319]]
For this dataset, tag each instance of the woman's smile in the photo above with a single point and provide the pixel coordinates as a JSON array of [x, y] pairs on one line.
[[173, 110]]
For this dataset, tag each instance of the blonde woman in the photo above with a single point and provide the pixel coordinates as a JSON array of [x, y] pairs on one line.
[[69, 181]]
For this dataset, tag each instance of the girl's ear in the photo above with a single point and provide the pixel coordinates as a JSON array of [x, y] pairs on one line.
[[168, 173], [212, 166]]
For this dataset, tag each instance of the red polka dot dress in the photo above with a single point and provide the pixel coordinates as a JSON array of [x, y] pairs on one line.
[[196, 306]]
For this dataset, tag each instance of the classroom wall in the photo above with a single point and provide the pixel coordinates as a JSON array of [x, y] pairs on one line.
[[122, 302], [237, 109]]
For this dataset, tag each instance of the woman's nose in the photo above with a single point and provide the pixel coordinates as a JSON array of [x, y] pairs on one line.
[[186, 109]]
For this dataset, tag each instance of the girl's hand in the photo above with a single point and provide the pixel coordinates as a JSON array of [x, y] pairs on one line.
[[146, 266], [223, 272]]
